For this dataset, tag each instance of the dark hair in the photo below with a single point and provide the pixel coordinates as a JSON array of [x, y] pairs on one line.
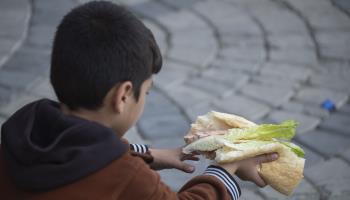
[[98, 45]]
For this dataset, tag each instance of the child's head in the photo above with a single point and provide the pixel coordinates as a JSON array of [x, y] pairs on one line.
[[101, 51]]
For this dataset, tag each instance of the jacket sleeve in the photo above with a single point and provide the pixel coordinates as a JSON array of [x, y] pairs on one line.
[[214, 184]]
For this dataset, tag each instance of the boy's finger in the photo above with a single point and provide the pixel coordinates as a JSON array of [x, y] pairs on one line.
[[266, 158], [259, 181], [186, 168]]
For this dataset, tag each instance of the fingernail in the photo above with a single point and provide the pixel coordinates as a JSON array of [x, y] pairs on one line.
[[274, 156], [190, 168]]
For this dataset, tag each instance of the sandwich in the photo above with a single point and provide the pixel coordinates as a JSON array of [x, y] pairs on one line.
[[228, 138]]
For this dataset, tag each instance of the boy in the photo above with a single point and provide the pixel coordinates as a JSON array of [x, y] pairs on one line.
[[102, 63]]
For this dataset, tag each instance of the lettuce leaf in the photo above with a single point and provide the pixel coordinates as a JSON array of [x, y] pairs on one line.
[[295, 148], [284, 131]]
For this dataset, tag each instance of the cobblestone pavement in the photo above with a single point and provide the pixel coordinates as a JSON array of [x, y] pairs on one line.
[[267, 60]]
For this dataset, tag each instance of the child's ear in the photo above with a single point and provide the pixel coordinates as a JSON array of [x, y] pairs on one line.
[[122, 95]]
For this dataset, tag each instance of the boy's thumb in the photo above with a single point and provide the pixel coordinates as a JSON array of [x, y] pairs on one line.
[[187, 168]]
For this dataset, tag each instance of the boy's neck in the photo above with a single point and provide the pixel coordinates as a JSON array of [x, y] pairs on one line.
[[91, 115]]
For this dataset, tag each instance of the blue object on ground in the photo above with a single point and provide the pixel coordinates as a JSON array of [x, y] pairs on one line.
[[328, 105]]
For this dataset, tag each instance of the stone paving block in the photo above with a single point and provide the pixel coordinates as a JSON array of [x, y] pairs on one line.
[[292, 41], [150, 9], [288, 71], [274, 21], [344, 4], [211, 86], [243, 106], [201, 38], [157, 104], [326, 142], [334, 44], [163, 126], [182, 3], [274, 96], [199, 109], [16, 104], [309, 109], [16, 79], [237, 65], [295, 55], [340, 70], [311, 157], [43, 88], [29, 60], [317, 95], [304, 191], [335, 20], [198, 56], [332, 177], [182, 20], [249, 195], [345, 109], [173, 73], [306, 123], [6, 46], [231, 78], [6, 94], [188, 96], [330, 82], [244, 53], [126, 2], [159, 35], [276, 81], [250, 41], [337, 122], [134, 137], [41, 35], [346, 154]]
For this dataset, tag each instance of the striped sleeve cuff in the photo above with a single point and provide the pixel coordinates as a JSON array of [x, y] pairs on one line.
[[139, 148], [226, 178]]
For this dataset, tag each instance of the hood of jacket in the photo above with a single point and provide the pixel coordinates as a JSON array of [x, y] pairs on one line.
[[45, 148]]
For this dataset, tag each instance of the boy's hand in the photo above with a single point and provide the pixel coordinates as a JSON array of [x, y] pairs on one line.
[[172, 158], [247, 169]]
